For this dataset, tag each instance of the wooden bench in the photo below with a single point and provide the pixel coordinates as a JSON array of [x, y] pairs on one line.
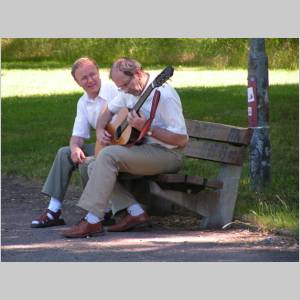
[[213, 199]]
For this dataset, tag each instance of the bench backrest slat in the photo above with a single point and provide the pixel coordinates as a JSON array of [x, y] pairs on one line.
[[218, 132], [214, 151]]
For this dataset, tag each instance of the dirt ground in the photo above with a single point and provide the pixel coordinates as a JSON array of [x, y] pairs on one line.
[[172, 238]]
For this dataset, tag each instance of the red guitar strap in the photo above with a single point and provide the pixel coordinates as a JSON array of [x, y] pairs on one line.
[[148, 123]]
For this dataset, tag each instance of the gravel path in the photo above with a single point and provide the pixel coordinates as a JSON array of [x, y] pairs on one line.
[[174, 238]]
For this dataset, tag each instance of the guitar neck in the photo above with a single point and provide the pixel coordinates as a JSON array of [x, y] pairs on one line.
[[143, 98], [139, 104]]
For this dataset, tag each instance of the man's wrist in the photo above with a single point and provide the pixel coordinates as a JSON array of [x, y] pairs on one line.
[[150, 131], [74, 148]]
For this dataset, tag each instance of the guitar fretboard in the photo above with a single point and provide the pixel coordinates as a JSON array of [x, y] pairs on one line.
[[136, 107]]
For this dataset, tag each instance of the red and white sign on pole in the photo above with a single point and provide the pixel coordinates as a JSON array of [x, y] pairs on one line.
[[252, 103]]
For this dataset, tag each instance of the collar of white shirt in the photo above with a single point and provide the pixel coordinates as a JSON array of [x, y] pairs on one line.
[[100, 96]]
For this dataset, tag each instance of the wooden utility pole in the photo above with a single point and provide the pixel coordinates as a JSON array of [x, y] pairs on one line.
[[258, 115]]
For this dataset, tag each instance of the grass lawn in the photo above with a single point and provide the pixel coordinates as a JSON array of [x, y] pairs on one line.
[[35, 126]]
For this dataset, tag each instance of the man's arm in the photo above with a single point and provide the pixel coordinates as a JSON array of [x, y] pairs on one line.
[[77, 155], [163, 135], [168, 137]]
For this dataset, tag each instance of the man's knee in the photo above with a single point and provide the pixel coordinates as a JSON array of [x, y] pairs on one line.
[[109, 153], [63, 155], [90, 168], [64, 151], [85, 166]]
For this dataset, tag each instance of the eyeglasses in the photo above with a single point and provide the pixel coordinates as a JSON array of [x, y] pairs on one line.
[[125, 85]]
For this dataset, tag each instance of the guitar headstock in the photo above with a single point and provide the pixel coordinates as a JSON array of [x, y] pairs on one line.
[[163, 76]]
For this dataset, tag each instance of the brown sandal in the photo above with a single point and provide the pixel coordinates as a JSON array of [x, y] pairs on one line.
[[44, 221]]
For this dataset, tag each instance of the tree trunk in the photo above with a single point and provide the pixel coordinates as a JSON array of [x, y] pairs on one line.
[[258, 115]]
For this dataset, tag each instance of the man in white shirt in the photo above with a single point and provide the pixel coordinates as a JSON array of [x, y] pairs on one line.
[[159, 154], [85, 71]]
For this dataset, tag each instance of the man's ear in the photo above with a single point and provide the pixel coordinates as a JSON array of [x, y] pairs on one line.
[[139, 73]]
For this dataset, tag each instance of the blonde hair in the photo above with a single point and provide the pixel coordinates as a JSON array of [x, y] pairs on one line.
[[79, 62]]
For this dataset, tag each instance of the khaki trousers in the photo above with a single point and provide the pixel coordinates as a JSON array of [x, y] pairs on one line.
[[146, 159], [61, 171]]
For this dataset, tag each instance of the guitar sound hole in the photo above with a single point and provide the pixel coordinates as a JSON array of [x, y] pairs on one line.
[[118, 132]]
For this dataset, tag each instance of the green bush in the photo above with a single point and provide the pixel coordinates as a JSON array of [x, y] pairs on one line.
[[208, 53]]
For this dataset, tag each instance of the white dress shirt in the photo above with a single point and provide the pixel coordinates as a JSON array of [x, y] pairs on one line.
[[88, 109]]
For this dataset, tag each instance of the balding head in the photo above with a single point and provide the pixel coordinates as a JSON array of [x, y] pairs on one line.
[[127, 66], [129, 76]]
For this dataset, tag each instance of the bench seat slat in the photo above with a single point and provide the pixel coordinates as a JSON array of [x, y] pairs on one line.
[[183, 182]]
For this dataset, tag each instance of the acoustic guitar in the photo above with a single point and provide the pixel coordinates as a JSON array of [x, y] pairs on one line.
[[122, 133]]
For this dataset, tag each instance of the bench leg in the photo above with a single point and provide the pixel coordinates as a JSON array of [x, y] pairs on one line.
[[223, 213]]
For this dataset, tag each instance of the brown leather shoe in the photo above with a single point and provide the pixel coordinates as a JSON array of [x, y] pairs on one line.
[[83, 229], [129, 222]]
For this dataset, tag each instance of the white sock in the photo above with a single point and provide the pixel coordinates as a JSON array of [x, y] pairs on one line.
[[92, 219], [54, 205], [135, 209]]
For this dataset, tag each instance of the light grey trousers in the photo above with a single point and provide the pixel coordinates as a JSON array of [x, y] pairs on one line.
[[61, 171], [103, 185]]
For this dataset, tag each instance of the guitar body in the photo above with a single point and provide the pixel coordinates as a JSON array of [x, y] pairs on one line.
[[115, 123], [127, 135]]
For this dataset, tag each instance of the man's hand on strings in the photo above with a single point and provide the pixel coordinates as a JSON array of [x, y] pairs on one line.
[[136, 120]]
